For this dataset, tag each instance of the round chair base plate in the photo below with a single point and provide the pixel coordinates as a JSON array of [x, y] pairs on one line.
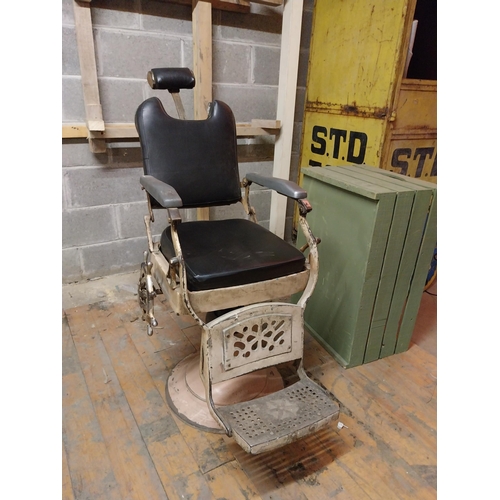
[[185, 392]]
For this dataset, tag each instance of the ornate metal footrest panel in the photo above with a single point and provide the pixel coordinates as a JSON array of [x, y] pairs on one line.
[[277, 419]]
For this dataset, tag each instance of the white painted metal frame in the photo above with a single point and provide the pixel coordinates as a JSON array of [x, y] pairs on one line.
[[171, 278]]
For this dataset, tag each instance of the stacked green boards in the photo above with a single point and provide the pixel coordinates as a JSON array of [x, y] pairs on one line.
[[378, 235]]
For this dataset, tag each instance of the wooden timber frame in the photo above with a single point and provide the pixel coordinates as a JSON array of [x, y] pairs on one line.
[[97, 131]]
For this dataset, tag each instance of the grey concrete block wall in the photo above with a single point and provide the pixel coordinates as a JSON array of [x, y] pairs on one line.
[[102, 203]]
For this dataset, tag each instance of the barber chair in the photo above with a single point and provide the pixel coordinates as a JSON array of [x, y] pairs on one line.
[[232, 276]]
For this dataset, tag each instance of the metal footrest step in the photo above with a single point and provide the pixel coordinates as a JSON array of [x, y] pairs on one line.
[[280, 418]]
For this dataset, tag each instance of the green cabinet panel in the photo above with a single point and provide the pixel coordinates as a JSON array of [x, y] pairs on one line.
[[378, 234]]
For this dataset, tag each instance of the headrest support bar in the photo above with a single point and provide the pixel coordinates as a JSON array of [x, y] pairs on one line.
[[171, 79]]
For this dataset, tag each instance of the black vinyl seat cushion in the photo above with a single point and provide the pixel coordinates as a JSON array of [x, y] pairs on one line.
[[225, 253]]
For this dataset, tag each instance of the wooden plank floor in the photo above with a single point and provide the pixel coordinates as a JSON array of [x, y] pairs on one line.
[[121, 440]]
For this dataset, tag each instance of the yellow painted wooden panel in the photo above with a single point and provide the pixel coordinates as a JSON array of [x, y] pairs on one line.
[[331, 139], [416, 108], [413, 156], [355, 54]]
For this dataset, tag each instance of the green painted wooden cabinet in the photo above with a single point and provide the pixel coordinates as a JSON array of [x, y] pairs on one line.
[[378, 234]]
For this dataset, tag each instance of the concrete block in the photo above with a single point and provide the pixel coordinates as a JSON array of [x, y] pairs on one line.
[[120, 98], [297, 137], [76, 152], [262, 168], [67, 12], [122, 156], [130, 220], [253, 27], [73, 109], [71, 265], [166, 17], [227, 212], [64, 203], [266, 65], [308, 5], [70, 61], [260, 199], [264, 223], [256, 140], [248, 102], [187, 53], [303, 68], [132, 55], [89, 225], [231, 63], [186, 95], [290, 207], [306, 30], [266, 10], [94, 186], [295, 167], [121, 14], [113, 257], [256, 151], [288, 234], [300, 100]]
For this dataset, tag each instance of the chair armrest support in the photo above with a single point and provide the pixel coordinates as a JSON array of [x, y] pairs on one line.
[[163, 193], [282, 186]]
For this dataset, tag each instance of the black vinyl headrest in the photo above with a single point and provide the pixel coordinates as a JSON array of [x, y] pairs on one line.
[[171, 79]]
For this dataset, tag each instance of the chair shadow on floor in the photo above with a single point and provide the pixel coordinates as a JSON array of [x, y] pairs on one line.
[[301, 461]]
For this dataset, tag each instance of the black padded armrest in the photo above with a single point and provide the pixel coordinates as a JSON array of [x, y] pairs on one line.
[[282, 186], [171, 79], [163, 193]]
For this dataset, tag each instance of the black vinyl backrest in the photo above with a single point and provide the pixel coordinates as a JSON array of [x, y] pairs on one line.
[[197, 157]]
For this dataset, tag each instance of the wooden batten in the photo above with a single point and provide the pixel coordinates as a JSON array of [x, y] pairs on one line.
[[202, 57], [202, 68], [234, 5], [116, 131], [273, 3], [86, 55], [287, 88], [242, 6], [268, 124], [252, 130]]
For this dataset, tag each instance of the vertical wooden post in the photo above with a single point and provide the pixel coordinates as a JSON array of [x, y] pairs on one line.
[[202, 67], [86, 55], [289, 64]]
